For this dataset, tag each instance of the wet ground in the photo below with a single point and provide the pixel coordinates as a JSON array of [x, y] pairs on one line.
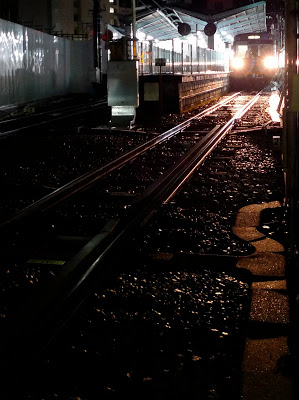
[[163, 329]]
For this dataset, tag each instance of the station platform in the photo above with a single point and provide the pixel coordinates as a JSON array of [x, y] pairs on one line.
[[267, 370], [178, 93]]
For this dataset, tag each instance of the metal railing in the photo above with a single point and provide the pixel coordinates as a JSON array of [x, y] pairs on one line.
[[190, 60]]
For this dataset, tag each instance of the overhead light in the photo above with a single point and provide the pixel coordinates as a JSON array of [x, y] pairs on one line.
[[191, 39], [254, 37], [140, 35]]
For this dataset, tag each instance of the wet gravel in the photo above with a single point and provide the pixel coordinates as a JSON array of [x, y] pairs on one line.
[[170, 331], [154, 333], [243, 170], [158, 330], [35, 166]]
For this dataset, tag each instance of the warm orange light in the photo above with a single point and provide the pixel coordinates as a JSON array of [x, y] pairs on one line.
[[273, 106], [270, 62], [237, 63]]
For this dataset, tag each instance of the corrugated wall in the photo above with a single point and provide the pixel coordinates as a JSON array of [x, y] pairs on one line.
[[34, 65]]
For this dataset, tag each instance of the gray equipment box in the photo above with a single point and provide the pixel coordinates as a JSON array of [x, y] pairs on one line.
[[122, 83]]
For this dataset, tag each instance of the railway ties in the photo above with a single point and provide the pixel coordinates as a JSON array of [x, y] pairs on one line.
[[40, 121], [87, 179], [90, 263]]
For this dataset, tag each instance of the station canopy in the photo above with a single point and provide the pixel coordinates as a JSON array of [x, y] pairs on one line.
[[163, 23]]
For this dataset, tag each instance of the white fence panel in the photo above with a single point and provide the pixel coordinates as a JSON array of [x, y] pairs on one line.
[[35, 65]]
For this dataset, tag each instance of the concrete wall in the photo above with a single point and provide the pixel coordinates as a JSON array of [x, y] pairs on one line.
[[180, 93], [34, 65]]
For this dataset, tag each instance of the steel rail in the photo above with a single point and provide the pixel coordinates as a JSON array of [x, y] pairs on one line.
[[212, 139], [49, 112], [38, 321], [84, 181], [78, 110], [177, 175]]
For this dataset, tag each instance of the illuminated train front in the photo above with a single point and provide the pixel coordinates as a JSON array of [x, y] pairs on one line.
[[254, 62]]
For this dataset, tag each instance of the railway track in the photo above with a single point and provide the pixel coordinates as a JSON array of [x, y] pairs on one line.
[[42, 120], [84, 181], [30, 328]]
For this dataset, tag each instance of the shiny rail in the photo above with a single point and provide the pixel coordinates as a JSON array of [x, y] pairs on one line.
[[83, 182], [49, 118], [37, 322]]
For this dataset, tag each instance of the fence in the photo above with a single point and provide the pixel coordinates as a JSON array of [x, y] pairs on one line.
[[188, 59], [35, 65]]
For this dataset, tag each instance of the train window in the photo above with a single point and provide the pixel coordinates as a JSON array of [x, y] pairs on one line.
[[252, 52], [249, 51], [267, 50], [241, 50]]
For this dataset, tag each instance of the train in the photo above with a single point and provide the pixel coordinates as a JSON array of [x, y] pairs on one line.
[[254, 62]]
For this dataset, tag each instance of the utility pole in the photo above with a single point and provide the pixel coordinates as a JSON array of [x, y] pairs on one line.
[[290, 125], [133, 5], [96, 41], [291, 162]]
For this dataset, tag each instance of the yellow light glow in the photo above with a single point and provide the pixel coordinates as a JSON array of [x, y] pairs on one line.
[[273, 107], [270, 62], [237, 63]]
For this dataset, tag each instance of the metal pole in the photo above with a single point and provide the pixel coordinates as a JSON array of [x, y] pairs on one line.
[[151, 49], [172, 56], [291, 135], [161, 91], [133, 3], [96, 49], [182, 57], [191, 56], [292, 185], [142, 57], [197, 48]]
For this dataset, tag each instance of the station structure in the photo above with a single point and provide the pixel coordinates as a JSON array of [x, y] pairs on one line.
[[163, 60], [170, 59], [160, 59]]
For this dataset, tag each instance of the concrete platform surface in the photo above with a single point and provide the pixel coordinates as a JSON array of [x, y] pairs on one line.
[[266, 343]]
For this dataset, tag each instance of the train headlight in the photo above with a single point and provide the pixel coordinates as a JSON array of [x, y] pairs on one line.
[[270, 62], [237, 63]]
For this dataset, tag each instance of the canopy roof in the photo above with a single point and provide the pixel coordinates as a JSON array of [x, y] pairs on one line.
[[162, 23]]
